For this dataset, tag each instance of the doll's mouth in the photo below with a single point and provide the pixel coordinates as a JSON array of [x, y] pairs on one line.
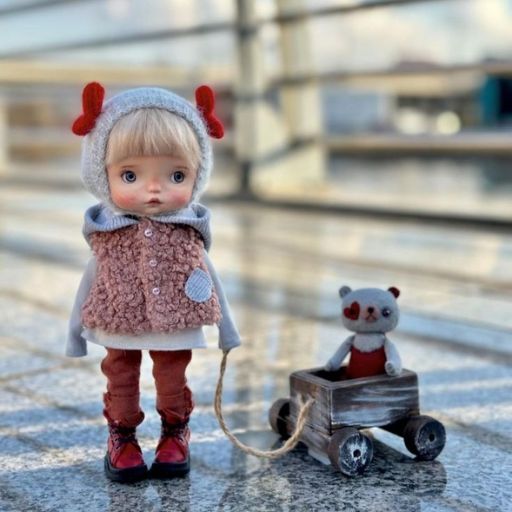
[[371, 318], [154, 201]]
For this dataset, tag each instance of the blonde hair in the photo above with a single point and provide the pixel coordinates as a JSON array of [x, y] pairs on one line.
[[152, 132]]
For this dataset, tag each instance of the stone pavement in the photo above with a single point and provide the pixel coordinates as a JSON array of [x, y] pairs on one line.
[[281, 271]]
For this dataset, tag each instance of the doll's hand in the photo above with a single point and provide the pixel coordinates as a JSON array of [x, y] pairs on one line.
[[391, 369]]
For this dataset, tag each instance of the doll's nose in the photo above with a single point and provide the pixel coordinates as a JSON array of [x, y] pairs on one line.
[[154, 186], [371, 310]]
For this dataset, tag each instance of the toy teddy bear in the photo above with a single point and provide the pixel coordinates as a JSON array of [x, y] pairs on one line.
[[370, 313]]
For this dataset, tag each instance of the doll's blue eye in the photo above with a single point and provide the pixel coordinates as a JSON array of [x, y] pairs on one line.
[[128, 176], [386, 312], [178, 177]]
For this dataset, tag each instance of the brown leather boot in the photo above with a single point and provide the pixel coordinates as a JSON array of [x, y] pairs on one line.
[[172, 458], [123, 460]]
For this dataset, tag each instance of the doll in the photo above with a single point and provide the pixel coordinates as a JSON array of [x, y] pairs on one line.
[[370, 313], [149, 285]]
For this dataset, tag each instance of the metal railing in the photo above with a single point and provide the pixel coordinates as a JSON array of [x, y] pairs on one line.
[[251, 91]]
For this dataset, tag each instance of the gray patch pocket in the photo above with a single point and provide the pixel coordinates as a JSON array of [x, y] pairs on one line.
[[199, 286]]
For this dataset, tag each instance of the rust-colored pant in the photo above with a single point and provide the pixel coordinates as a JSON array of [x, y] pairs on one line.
[[173, 397]]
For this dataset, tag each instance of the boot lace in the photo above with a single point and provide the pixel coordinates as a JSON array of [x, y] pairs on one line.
[[173, 430], [122, 436]]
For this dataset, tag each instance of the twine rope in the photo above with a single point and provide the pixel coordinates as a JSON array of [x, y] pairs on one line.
[[266, 454]]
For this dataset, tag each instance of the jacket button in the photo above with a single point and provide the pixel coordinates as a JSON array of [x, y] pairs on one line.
[[153, 263], [148, 232], [155, 291]]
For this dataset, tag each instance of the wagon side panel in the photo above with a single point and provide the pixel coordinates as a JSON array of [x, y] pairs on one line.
[[375, 401], [304, 386]]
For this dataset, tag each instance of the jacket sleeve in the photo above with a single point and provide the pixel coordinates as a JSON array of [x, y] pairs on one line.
[[228, 333], [76, 345]]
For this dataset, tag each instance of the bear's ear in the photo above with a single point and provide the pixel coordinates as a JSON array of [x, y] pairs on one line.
[[394, 291], [344, 290]]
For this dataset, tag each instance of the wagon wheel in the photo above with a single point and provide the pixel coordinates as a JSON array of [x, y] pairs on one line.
[[350, 451], [425, 437], [278, 416]]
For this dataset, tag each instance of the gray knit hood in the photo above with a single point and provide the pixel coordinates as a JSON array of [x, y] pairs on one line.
[[101, 218], [94, 144]]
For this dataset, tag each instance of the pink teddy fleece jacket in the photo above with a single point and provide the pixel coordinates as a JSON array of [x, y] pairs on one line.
[[149, 275], [150, 278]]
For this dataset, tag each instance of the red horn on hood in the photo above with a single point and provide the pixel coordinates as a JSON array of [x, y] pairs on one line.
[[92, 101], [205, 102]]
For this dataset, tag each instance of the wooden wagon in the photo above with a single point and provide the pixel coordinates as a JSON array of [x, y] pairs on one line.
[[343, 406]]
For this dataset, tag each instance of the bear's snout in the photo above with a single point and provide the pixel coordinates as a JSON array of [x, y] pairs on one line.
[[371, 314]]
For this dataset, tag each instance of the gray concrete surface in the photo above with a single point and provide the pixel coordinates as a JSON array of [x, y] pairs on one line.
[[281, 271]]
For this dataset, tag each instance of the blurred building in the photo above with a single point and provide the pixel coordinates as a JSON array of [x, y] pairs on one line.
[[401, 106]]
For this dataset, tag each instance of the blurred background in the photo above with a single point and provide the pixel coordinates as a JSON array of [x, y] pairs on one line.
[[368, 144], [392, 106]]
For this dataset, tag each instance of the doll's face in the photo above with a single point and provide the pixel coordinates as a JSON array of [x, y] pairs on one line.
[[149, 185]]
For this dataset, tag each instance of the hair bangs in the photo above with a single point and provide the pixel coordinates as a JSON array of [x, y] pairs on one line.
[[152, 132]]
